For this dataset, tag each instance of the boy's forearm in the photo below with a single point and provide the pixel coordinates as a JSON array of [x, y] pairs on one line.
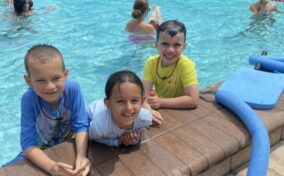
[[39, 158], [81, 143], [182, 102]]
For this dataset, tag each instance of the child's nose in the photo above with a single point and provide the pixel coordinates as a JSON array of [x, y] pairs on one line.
[[49, 85], [171, 49], [128, 106]]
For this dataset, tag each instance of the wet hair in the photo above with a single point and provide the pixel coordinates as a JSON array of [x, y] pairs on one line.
[[172, 27], [19, 6], [139, 8], [120, 77], [43, 54]]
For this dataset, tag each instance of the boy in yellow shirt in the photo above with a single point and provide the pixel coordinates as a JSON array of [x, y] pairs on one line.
[[171, 74]]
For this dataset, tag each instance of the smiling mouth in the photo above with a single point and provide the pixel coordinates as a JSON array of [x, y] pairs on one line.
[[51, 93], [127, 115], [170, 57]]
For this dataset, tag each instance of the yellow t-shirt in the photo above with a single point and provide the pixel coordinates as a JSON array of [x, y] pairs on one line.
[[183, 75]]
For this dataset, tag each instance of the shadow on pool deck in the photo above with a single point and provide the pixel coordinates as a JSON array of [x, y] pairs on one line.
[[209, 140]]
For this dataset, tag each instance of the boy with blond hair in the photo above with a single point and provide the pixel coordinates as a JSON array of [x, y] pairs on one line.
[[52, 110]]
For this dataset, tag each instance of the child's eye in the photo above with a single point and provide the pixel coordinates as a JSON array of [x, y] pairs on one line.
[[120, 101], [134, 101], [40, 81], [177, 45], [56, 78], [164, 44]]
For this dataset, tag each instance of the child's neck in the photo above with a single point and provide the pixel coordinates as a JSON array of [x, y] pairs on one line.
[[54, 106]]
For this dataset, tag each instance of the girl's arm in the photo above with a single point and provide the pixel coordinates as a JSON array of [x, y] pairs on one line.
[[98, 133], [108, 141], [128, 138]]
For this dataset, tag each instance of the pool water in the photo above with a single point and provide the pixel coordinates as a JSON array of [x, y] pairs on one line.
[[221, 35]]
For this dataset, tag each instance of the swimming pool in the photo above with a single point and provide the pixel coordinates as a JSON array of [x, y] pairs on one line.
[[221, 35]]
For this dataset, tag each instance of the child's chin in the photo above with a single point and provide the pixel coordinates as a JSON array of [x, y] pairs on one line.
[[52, 101]]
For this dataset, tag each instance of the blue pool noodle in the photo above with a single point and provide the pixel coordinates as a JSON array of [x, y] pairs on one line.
[[271, 63], [259, 159]]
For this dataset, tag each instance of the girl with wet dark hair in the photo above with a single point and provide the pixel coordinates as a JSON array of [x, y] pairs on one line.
[[119, 118]]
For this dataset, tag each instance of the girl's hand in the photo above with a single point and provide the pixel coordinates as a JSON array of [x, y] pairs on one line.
[[128, 138], [156, 118]]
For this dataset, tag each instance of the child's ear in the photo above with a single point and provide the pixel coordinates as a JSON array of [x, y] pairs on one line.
[[28, 80], [66, 73], [156, 44], [143, 99], [106, 102], [185, 45]]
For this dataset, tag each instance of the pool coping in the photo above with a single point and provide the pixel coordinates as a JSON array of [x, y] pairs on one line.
[[209, 140]]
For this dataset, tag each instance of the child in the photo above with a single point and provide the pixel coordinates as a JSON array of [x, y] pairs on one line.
[[263, 6], [52, 109], [172, 74], [139, 13], [118, 119], [23, 7]]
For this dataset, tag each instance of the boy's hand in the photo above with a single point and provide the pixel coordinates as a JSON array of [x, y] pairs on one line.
[[83, 165], [154, 100], [60, 168]]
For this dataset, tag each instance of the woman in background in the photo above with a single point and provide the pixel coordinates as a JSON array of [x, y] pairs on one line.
[[141, 29]]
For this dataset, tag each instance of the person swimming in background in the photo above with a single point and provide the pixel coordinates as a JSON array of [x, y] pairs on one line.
[[138, 26], [23, 7], [263, 6]]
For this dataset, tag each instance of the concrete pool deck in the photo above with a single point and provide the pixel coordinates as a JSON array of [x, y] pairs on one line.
[[209, 140], [276, 163]]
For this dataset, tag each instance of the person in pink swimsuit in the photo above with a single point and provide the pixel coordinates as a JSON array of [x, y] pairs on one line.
[[140, 29]]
